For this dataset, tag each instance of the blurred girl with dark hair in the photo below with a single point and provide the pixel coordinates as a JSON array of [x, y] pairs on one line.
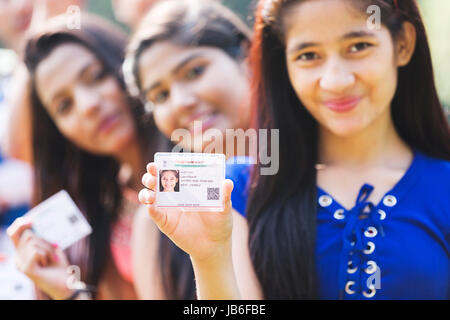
[[85, 127], [187, 62], [359, 208]]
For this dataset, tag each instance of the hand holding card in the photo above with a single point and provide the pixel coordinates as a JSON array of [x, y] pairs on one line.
[[42, 262], [40, 237], [202, 234], [58, 220]]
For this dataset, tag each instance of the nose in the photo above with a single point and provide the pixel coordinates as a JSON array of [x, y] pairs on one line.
[[87, 101], [182, 98], [337, 77]]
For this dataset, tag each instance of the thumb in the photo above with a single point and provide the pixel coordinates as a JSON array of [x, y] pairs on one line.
[[227, 188]]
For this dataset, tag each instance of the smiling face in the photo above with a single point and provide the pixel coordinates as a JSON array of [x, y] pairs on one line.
[[187, 84], [343, 73], [85, 102], [168, 181]]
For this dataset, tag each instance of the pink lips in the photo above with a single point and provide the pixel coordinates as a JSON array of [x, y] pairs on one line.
[[343, 105], [108, 123]]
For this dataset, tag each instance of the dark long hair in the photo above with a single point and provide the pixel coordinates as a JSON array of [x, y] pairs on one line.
[[186, 23], [282, 208], [91, 180]]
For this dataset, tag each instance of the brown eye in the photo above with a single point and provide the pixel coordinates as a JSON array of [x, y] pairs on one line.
[[360, 47], [64, 106], [195, 72], [161, 97], [99, 75], [308, 56]]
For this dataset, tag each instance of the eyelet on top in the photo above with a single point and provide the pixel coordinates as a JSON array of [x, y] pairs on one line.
[[390, 201], [371, 292], [370, 248], [371, 267], [382, 214], [325, 201], [348, 290], [350, 268], [339, 214], [370, 232]]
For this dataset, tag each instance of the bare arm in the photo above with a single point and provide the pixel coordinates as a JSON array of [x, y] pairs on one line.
[[248, 283], [231, 276], [19, 144], [146, 267]]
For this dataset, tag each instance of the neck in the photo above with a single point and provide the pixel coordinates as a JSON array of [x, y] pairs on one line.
[[131, 156], [377, 144], [247, 148]]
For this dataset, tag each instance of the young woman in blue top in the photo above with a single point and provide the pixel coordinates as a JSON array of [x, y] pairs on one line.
[[359, 117]]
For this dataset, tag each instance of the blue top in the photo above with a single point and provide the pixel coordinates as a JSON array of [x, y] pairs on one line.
[[11, 214], [238, 170], [400, 251]]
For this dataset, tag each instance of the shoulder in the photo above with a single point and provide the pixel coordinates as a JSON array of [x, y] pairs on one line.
[[432, 188], [239, 168], [435, 170]]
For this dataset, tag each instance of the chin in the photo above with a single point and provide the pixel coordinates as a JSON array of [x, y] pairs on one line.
[[346, 129], [121, 141]]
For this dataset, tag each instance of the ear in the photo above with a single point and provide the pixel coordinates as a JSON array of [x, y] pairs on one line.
[[405, 44]]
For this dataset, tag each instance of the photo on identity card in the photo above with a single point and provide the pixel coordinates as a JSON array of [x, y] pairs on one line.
[[191, 181], [169, 180]]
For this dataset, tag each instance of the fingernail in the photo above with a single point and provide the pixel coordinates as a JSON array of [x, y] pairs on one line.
[[54, 245]]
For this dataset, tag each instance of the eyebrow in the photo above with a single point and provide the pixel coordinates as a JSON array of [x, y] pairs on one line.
[[357, 34], [79, 76], [175, 70], [350, 35]]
